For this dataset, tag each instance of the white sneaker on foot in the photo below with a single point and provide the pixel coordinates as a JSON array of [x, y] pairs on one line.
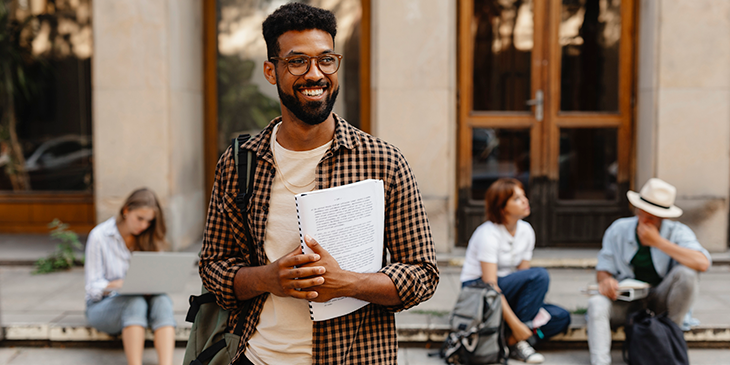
[[524, 352]]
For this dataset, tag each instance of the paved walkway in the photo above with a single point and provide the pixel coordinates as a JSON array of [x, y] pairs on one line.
[[406, 356]]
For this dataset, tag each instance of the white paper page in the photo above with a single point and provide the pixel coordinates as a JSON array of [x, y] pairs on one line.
[[628, 290], [348, 222]]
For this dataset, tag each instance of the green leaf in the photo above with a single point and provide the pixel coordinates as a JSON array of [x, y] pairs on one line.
[[64, 258]]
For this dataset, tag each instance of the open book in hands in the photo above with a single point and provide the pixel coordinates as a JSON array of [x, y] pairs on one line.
[[628, 290], [348, 222]]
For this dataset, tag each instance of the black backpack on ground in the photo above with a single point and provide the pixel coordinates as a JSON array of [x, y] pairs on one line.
[[209, 342], [653, 339], [477, 328]]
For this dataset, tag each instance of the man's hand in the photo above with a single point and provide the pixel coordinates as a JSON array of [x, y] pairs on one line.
[[335, 280], [608, 287], [648, 234], [294, 272]]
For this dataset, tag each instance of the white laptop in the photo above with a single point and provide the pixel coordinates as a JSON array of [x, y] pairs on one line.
[[158, 272]]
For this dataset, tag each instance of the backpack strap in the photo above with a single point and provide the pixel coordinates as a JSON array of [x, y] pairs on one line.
[[245, 160], [195, 302]]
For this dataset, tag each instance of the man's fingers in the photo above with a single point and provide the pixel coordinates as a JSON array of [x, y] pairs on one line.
[[296, 258], [304, 272], [313, 244], [301, 294]]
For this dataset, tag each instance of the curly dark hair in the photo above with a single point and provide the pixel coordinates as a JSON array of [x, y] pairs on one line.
[[296, 16]]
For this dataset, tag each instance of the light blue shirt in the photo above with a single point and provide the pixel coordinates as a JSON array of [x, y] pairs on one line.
[[107, 258], [620, 246]]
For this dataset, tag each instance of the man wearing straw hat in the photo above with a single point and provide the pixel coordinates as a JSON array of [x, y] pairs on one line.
[[649, 248]]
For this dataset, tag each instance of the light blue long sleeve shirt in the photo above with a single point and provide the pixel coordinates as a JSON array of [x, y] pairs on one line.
[[620, 246], [107, 258]]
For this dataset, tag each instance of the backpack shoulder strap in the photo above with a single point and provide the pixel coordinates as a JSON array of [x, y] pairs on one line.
[[245, 161]]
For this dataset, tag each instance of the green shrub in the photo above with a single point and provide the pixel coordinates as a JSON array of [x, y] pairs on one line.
[[64, 258]]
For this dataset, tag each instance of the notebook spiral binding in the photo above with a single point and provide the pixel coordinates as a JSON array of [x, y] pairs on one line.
[[302, 243]]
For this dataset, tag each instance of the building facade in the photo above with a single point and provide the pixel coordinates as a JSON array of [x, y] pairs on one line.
[[581, 100]]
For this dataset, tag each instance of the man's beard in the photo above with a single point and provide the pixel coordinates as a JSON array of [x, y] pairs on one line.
[[310, 112]]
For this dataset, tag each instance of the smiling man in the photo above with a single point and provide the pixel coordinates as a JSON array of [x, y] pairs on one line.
[[310, 148]]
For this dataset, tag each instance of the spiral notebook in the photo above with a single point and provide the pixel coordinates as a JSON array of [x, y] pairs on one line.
[[348, 222]]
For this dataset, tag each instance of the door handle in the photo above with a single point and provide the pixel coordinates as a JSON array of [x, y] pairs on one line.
[[538, 102]]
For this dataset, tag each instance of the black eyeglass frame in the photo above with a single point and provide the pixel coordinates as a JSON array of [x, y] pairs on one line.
[[309, 62]]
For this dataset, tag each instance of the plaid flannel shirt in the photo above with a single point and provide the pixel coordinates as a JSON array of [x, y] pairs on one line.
[[366, 336]]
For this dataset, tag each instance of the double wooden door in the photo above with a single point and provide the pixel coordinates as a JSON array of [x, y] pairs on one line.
[[546, 94]]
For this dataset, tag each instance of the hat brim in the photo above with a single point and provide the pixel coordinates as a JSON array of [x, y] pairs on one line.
[[635, 199]]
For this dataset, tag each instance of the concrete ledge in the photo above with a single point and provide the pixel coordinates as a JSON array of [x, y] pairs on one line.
[[430, 328], [426, 332], [72, 333], [572, 258]]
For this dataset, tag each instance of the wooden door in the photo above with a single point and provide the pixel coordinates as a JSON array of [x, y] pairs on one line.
[[546, 90]]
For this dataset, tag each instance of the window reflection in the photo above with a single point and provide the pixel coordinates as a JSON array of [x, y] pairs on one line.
[[588, 164], [246, 101], [590, 35], [498, 153], [503, 41], [45, 137]]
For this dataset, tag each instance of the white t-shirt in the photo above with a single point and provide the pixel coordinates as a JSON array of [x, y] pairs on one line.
[[284, 332], [492, 243]]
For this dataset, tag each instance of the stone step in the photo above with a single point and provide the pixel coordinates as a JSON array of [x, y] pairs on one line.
[[412, 328], [435, 329], [560, 258]]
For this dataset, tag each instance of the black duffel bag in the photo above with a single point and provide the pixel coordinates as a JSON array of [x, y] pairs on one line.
[[653, 339]]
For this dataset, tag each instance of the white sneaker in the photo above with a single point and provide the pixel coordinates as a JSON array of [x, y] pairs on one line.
[[524, 352]]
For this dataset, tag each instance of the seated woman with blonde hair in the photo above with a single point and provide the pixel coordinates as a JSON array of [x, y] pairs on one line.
[[499, 254], [140, 226]]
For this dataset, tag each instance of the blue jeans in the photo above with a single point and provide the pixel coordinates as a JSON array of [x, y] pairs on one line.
[[114, 313], [525, 292]]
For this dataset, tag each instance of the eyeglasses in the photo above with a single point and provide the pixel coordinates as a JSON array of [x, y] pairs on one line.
[[298, 65]]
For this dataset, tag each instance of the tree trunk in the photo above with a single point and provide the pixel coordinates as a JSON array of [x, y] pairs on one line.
[[16, 171]]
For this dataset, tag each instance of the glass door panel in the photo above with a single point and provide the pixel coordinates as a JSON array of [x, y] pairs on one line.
[[588, 164], [502, 57], [498, 153], [589, 41]]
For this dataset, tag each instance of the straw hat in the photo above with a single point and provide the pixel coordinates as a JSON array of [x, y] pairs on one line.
[[656, 198]]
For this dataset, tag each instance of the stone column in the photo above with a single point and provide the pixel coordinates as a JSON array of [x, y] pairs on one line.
[[414, 98], [683, 126], [148, 109]]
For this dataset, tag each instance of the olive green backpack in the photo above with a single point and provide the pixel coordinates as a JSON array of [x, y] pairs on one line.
[[209, 342]]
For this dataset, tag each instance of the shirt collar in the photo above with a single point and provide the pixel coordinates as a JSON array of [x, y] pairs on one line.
[[345, 137], [663, 230], [111, 228]]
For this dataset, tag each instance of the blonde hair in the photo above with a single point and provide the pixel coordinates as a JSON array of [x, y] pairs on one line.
[[152, 238]]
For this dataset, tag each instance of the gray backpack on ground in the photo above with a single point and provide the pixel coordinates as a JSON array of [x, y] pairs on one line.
[[477, 332]]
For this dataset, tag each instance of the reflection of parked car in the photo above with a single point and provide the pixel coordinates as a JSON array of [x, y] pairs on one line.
[[61, 163]]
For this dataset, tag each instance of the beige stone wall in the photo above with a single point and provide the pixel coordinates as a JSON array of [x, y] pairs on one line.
[[414, 98], [683, 126], [148, 109]]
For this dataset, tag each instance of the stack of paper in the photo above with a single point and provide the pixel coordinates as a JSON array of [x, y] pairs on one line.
[[628, 289], [348, 222]]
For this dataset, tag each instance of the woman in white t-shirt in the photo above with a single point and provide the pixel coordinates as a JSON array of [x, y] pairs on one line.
[[499, 253]]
